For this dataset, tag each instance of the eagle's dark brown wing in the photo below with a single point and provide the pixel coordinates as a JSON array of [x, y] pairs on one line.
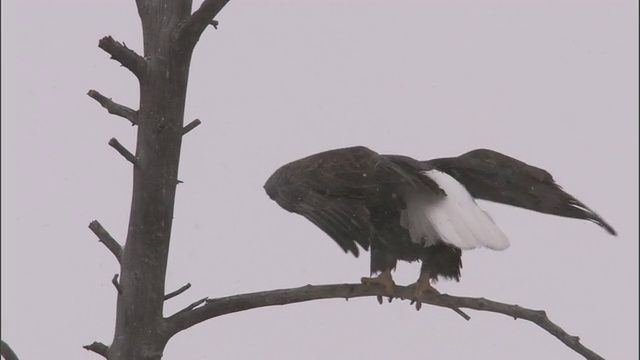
[[335, 190], [345, 220], [492, 176], [352, 172]]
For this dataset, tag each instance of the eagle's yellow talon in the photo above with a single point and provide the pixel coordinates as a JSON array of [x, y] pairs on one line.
[[383, 279], [423, 285]]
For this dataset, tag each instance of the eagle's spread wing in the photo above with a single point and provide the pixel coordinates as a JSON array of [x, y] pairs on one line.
[[345, 220], [492, 176], [335, 190]]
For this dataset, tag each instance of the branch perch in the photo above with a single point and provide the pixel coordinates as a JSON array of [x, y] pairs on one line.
[[114, 143], [125, 56], [115, 108], [98, 348], [228, 305], [106, 238]]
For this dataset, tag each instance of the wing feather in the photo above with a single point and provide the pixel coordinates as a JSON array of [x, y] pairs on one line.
[[345, 221], [492, 176]]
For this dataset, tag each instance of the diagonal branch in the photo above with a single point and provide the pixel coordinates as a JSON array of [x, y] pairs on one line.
[[538, 317], [228, 305], [114, 143], [190, 126], [125, 56], [177, 292], [192, 306], [106, 238], [98, 348], [115, 108], [199, 20], [6, 351]]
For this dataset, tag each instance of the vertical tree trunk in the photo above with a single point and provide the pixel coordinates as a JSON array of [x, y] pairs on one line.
[[140, 329]]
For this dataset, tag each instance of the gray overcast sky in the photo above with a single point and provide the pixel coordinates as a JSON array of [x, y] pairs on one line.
[[554, 83]]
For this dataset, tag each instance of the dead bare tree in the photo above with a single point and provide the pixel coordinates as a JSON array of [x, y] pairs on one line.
[[171, 31]]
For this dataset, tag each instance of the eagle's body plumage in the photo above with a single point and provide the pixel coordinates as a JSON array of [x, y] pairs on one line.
[[403, 209]]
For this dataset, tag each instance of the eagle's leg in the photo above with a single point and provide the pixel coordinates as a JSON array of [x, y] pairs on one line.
[[439, 260], [382, 261], [423, 285], [383, 279]]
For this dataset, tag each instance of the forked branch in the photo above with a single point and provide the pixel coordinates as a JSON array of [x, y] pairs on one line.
[[228, 305], [199, 20], [125, 56]]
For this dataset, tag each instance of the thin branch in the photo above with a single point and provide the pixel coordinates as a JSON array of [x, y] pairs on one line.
[[115, 283], [98, 348], [190, 126], [123, 151], [106, 238], [192, 306], [6, 351], [538, 317], [199, 20], [115, 108], [228, 305], [125, 56], [177, 292]]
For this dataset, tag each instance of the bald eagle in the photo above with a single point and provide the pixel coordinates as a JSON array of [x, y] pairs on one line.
[[400, 208]]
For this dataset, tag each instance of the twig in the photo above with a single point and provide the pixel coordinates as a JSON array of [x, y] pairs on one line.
[[106, 238], [228, 305], [192, 306], [123, 151], [125, 56], [115, 283], [538, 317], [98, 348], [190, 126], [199, 20], [115, 108], [418, 303], [177, 292], [6, 351]]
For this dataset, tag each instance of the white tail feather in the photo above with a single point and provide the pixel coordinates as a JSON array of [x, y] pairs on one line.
[[455, 219]]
